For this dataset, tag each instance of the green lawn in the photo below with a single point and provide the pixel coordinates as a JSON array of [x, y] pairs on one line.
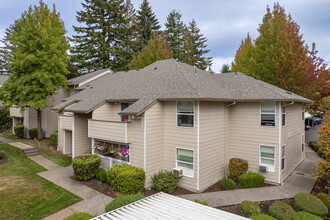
[[44, 148], [24, 194]]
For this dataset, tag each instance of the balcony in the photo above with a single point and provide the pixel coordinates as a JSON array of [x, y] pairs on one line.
[[115, 131], [65, 122], [16, 112]]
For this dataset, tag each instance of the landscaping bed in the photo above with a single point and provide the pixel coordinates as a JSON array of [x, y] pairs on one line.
[[217, 187]]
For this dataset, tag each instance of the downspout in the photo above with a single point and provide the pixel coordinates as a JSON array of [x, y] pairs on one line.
[[197, 146], [279, 141], [72, 150], [145, 142], [225, 136], [291, 103]]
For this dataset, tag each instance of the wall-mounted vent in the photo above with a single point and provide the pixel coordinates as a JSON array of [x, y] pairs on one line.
[[178, 172]]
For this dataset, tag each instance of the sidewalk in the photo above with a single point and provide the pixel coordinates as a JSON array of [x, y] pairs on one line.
[[93, 201], [301, 180]]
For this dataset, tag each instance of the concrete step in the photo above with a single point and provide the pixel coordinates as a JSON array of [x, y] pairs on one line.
[[32, 154], [30, 151]]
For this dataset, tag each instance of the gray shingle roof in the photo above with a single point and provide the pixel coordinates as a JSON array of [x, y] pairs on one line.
[[82, 78], [171, 80]]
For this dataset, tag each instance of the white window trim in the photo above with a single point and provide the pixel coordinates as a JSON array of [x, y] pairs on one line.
[[129, 117], [260, 112], [283, 157], [176, 115], [186, 172], [283, 113], [271, 168]]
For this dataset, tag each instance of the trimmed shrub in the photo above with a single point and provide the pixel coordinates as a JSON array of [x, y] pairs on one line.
[[249, 208], [98, 173], [122, 201], [325, 198], [314, 145], [85, 166], [19, 131], [79, 216], [237, 167], [251, 180], [262, 217], [306, 216], [103, 177], [309, 203], [53, 139], [33, 133], [281, 210], [165, 181], [227, 184], [201, 202], [126, 179]]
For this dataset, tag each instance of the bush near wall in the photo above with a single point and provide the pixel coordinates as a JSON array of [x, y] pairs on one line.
[[53, 139], [165, 181], [262, 217], [251, 180], [325, 198], [85, 166], [309, 203], [98, 173], [33, 133], [227, 184], [249, 208], [19, 131], [79, 216], [314, 145], [126, 179], [122, 201], [306, 216], [237, 166], [281, 211], [5, 119]]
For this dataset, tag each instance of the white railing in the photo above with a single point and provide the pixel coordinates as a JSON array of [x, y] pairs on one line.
[[108, 162]]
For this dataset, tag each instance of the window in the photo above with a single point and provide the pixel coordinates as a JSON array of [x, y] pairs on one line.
[[267, 157], [283, 116], [185, 160], [302, 143], [283, 158], [185, 113], [268, 113], [122, 107], [303, 112]]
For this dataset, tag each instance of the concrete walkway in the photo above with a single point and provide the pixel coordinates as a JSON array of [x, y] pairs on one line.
[[93, 201], [301, 180]]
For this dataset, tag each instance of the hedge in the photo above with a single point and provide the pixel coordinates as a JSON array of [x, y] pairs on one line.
[[33, 133], [262, 217], [98, 173], [306, 216], [85, 166], [122, 201], [53, 139], [227, 184], [325, 198], [309, 203], [249, 208], [165, 181], [19, 131], [251, 180], [314, 145], [126, 179], [237, 167], [281, 210], [79, 216]]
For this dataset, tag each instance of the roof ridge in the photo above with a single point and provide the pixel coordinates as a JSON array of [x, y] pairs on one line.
[[195, 89]]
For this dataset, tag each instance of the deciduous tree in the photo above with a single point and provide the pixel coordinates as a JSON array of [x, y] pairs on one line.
[[243, 56]]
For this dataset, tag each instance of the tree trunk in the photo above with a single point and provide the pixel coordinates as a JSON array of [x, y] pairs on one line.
[[39, 124]]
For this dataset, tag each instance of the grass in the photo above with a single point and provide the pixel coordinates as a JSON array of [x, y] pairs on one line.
[[44, 148], [24, 194]]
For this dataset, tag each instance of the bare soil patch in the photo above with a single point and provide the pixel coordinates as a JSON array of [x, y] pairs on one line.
[[3, 158]]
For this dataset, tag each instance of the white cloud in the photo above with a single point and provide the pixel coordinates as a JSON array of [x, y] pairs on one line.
[[2, 34], [218, 62]]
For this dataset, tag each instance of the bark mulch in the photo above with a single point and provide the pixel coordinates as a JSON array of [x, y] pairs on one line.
[[3, 158]]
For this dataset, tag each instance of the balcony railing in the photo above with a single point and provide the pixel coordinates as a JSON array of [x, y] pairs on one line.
[[66, 122], [108, 162], [16, 112], [114, 131]]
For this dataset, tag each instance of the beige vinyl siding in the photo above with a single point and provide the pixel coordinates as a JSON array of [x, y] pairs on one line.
[[60, 135], [178, 137], [245, 135], [155, 138], [82, 144], [108, 112], [68, 142], [30, 120], [211, 147], [291, 137], [107, 130], [16, 112], [65, 122], [135, 138]]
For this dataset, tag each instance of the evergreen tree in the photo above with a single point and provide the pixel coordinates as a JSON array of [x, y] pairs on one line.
[[225, 68], [194, 47], [174, 34], [5, 51], [38, 60], [107, 37], [148, 23], [243, 56], [157, 49]]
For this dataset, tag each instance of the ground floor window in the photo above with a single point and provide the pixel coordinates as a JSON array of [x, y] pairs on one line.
[[185, 160], [267, 157], [283, 158], [113, 150], [302, 143]]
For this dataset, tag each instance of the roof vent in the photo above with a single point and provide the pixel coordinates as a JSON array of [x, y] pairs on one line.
[[235, 74], [289, 92], [137, 69], [87, 85], [91, 87], [155, 68]]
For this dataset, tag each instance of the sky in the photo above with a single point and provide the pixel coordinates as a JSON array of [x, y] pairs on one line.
[[224, 22]]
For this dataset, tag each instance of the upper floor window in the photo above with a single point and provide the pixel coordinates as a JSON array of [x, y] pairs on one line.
[[268, 113], [283, 158], [123, 106], [185, 113], [303, 112], [283, 116]]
